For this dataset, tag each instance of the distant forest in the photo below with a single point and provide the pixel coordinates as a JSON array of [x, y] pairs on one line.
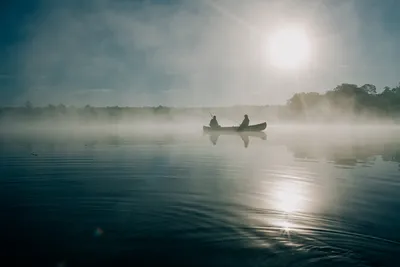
[[346, 102]]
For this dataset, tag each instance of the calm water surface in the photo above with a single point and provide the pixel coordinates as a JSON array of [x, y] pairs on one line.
[[292, 198]]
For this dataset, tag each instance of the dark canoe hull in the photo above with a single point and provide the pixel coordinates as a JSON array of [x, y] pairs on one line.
[[251, 128]]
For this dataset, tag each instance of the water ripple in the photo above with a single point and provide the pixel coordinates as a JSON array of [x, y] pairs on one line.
[[194, 205]]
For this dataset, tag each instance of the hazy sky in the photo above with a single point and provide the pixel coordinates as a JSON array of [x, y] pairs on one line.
[[189, 52]]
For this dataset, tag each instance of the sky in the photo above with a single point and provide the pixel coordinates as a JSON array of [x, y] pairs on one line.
[[188, 53]]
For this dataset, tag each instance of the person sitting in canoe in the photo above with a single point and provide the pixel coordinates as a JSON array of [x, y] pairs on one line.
[[214, 123], [245, 123]]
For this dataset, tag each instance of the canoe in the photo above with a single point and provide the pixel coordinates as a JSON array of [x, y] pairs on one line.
[[251, 128]]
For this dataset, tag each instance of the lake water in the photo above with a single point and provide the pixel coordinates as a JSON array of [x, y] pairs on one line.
[[295, 197]]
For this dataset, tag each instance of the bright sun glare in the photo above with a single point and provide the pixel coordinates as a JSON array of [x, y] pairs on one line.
[[289, 48], [289, 197]]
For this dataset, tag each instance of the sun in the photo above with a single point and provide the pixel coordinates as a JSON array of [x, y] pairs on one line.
[[289, 48]]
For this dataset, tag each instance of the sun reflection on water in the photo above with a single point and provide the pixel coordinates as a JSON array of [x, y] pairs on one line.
[[289, 197], [286, 226], [288, 201]]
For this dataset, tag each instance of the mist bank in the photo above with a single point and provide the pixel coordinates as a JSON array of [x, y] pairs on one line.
[[343, 146], [346, 103]]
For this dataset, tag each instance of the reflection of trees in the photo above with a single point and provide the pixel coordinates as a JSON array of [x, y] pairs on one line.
[[346, 154], [391, 152], [302, 151]]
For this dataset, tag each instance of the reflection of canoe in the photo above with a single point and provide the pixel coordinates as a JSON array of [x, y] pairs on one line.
[[251, 128], [261, 135]]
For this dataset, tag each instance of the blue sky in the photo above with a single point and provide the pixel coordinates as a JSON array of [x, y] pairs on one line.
[[188, 53]]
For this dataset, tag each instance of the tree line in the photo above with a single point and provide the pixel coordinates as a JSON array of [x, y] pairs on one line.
[[344, 102], [347, 100]]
